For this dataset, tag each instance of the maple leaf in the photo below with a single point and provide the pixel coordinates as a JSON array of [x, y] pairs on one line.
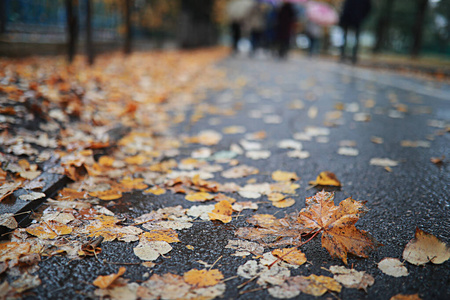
[[337, 224]]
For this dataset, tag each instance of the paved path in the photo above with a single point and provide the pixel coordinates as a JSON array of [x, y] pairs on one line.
[[284, 98]]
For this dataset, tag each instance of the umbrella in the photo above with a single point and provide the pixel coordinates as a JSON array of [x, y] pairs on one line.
[[321, 13], [237, 10]]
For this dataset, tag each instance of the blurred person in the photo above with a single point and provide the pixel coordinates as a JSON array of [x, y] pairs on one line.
[[286, 18], [353, 14], [255, 24], [314, 32], [269, 38], [237, 10]]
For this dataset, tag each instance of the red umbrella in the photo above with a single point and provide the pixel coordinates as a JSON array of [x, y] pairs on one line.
[[321, 13]]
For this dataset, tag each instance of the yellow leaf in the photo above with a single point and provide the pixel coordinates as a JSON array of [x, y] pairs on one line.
[[49, 230], [104, 282], [203, 278], [199, 197], [111, 194], [326, 178], [319, 285], [290, 255], [275, 197], [284, 203], [136, 183], [284, 176], [155, 191], [106, 161], [167, 235], [135, 160], [222, 212]]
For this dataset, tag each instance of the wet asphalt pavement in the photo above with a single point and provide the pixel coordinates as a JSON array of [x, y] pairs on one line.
[[414, 194]]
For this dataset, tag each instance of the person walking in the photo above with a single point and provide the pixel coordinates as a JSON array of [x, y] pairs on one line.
[[354, 12], [285, 26]]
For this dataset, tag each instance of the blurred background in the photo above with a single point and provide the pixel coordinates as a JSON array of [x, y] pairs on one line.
[[410, 28]]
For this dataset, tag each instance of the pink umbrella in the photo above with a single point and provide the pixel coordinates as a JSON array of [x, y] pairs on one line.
[[321, 13]]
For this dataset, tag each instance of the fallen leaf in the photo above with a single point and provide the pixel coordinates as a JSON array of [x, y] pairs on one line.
[[108, 195], [438, 160], [415, 144], [406, 297], [199, 197], [240, 171], [383, 162], [167, 235], [13, 250], [26, 282], [244, 248], [290, 255], [166, 286], [155, 191], [348, 151], [326, 179], [240, 206], [258, 154], [284, 176], [317, 285], [271, 231], [203, 278], [8, 221], [289, 144], [424, 248], [377, 140], [125, 291], [222, 211], [151, 250], [49, 230], [392, 267], [234, 130], [350, 278], [287, 202], [298, 154], [104, 282], [340, 236], [32, 196]]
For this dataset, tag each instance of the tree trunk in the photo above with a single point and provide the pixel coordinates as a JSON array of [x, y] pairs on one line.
[[72, 29], [2, 16], [418, 27], [89, 44], [128, 38], [383, 25], [196, 28]]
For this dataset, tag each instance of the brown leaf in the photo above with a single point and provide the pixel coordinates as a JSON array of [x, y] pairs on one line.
[[271, 231], [327, 179], [424, 248], [104, 282], [339, 234]]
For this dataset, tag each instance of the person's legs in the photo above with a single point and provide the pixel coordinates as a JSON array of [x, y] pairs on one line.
[[344, 42], [235, 34], [356, 46]]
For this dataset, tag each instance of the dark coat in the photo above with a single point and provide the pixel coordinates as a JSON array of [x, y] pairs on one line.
[[354, 12], [285, 22]]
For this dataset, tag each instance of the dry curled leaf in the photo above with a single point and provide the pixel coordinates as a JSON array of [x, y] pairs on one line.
[[350, 278], [424, 248], [326, 179], [337, 223], [203, 278], [104, 282]]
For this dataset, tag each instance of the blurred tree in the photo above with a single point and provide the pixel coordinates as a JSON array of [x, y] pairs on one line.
[[382, 25], [197, 27], [72, 27], [421, 10], [2, 17], [127, 12], [89, 44]]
